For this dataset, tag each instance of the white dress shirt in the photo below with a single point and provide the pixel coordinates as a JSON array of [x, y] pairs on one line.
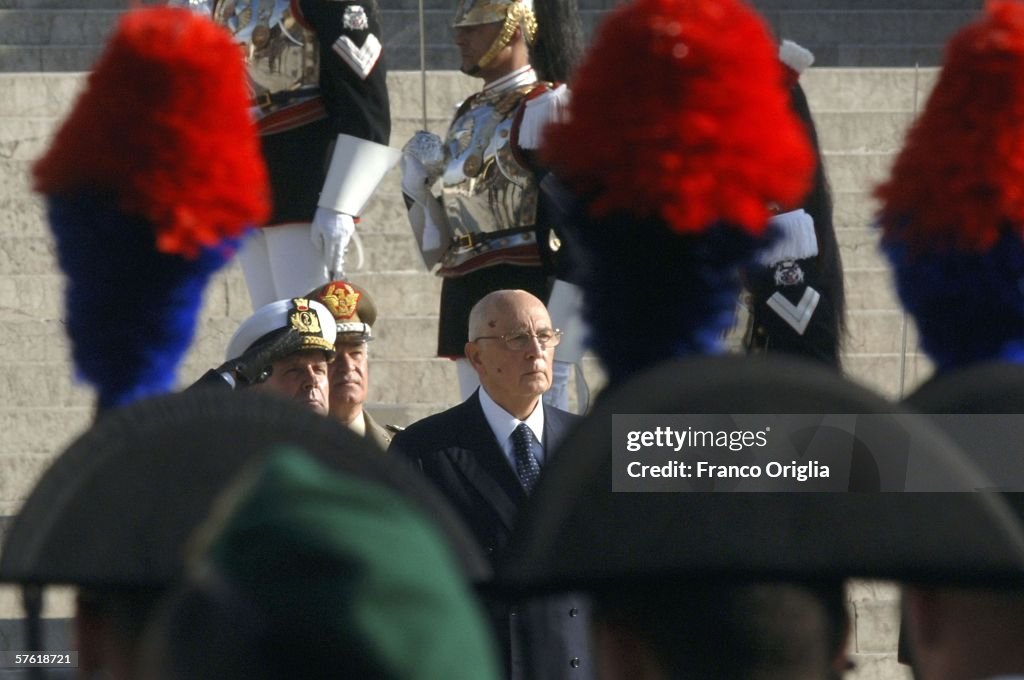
[[502, 424]]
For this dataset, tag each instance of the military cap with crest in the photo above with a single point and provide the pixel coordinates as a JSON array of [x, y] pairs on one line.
[[310, 318], [514, 14], [352, 307]]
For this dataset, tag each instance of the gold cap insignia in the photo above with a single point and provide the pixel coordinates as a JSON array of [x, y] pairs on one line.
[[304, 319], [342, 300]]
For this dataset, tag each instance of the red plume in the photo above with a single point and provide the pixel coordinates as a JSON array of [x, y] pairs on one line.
[[959, 180], [679, 112], [163, 131]]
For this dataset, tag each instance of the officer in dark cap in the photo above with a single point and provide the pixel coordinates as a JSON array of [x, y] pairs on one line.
[[112, 514], [973, 631], [349, 374], [951, 220], [696, 581]]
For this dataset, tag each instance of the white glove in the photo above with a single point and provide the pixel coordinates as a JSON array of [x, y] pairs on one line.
[[795, 238], [416, 185], [414, 179], [330, 232]]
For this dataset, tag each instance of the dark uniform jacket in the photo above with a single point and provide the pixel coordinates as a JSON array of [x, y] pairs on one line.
[[458, 452]]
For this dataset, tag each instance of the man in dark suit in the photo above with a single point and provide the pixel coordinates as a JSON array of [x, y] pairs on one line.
[[486, 454]]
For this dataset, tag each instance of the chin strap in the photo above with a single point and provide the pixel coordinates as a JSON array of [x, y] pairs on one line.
[[517, 16]]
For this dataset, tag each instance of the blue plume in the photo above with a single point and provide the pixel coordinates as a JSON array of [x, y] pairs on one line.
[[651, 294], [968, 306], [131, 310]]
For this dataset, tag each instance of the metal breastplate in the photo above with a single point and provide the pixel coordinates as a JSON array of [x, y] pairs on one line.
[[282, 55], [484, 188]]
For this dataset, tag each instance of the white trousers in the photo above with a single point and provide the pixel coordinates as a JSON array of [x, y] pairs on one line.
[[280, 262]]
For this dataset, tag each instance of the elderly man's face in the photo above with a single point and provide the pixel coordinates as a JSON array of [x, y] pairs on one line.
[[301, 377], [515, 376], [349, 377]]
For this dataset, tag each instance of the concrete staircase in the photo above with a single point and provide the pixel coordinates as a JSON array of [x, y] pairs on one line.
[[861, 113], [65, 35]]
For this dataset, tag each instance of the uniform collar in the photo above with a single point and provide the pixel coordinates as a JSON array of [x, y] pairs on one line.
[[521, 76]]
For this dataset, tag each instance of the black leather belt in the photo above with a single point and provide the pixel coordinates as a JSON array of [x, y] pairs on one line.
[[482, 237], [268, 100]]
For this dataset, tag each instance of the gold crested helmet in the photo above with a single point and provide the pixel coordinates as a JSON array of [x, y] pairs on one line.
[[513, 13]]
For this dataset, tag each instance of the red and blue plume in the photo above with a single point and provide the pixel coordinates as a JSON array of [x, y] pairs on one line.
[[150, 184], [958, 182], [679, 138], [952, 211], [679, 112]]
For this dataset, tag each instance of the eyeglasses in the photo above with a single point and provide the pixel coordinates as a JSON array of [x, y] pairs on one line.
[[516, 342]]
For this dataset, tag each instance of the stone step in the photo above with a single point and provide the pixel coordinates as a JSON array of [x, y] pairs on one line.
[[848, 172], [878, 331], [854, 209], [40, 297], [20, 471], [877, 667], [870, 331], [69, 4], [42, 95], [859, 248], [853, 131], [23, 215], [61, 34], [50, 27], [857, 170], [881, 372], [28, 137], [879, 27], [851, 5], [762, 5], [867, 89], [869, 289], [40, 430], [393, 252]]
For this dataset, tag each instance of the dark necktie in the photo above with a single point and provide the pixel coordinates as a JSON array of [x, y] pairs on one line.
[[527, 466]]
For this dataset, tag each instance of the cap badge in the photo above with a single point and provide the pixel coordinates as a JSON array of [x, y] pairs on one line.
[[355, 18], [788, 273], [303, 319], [342, 301]]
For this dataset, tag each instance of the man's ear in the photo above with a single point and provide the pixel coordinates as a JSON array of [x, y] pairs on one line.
[[472, 352]]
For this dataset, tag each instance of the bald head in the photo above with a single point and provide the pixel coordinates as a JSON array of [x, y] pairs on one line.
[[487, 314]]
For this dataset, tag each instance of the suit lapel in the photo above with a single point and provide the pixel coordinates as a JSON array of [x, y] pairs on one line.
[[483, 464], [556, 426]]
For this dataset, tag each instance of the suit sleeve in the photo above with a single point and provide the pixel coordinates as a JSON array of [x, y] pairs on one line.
[[398, 449], [353, 76]]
